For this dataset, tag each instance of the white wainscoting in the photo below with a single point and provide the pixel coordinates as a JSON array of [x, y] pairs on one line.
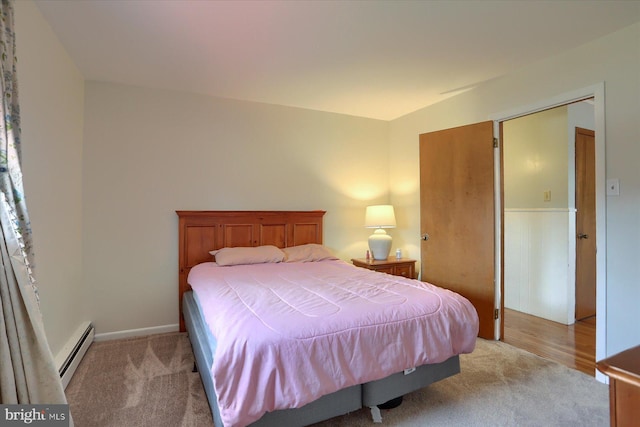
[[539, 263]]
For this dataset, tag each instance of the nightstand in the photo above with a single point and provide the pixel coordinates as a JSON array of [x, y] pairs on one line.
[[398, 267], [623, 370]]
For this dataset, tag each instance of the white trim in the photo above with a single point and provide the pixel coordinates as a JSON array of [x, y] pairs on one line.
[[567, 210], [556, 101], [601, 230], [131, 333], [597, 92], [497, 206]]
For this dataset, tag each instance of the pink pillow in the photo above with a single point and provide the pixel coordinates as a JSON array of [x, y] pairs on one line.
[[307, 253], [248, 255]]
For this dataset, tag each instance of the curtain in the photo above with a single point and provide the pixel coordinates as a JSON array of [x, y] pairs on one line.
[[27, 371]]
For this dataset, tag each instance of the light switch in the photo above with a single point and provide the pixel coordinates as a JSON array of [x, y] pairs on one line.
[[613, 187], [547, 196]]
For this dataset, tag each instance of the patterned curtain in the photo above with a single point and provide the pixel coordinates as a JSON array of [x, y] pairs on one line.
[[10, 155], [27, 371]]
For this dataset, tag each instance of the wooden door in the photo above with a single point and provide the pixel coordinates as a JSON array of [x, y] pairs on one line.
[[585, 224], [457, 212]]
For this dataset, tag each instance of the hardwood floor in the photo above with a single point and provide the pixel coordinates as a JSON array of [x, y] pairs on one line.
[[571, 345]]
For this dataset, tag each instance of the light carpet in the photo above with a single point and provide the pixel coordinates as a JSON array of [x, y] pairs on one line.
[[138, 382], [148, 382]]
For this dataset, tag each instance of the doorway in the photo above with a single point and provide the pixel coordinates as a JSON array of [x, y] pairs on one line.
[[595, 92], [549, 234]]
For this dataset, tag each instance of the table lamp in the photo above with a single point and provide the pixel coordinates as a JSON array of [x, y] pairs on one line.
[[380, 217]]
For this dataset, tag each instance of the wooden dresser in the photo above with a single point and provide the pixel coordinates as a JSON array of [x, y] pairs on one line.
[[398, 267], [623, 370]]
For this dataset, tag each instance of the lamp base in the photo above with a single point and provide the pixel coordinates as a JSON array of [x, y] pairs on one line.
[[380, 244]]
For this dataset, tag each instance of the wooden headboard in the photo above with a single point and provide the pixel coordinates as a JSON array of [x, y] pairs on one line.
[[204, 231]]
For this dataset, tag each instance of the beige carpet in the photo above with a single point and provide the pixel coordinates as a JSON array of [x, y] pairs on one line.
[[148, 382], [139, 382]]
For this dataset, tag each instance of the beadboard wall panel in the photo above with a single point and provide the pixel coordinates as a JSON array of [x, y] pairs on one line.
[[537, 272]]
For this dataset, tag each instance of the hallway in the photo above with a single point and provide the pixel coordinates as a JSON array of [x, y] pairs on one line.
[[571, 345]]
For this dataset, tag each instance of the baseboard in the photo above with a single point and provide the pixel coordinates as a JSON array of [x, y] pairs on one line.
[[131, 333], [68, 359]]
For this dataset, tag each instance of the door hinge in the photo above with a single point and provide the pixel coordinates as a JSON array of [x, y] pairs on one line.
[[496, 314], [495, 142]]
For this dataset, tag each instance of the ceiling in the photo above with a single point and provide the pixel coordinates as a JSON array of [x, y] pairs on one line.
[[376, 59]]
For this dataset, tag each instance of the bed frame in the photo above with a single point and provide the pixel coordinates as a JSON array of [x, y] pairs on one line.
[[204, 231]]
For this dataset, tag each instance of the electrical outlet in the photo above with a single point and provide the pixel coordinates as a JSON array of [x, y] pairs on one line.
[[547, 196]]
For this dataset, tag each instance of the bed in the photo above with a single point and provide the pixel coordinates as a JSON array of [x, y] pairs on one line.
[[326, 369]]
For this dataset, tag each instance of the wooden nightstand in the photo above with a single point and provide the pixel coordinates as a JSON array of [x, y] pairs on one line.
[[398, 267], [623, 370]]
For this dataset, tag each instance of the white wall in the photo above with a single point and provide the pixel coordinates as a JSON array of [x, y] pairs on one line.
[[145, 150], [51, 92], [536, 235], [614, 59], [535, 160], [536, 263], [148, 153]]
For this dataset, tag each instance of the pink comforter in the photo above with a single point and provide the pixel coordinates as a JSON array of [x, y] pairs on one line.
[[289, 333]]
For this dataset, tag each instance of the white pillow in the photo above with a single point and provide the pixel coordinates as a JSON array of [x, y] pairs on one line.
[[307, 253], [248, 255]]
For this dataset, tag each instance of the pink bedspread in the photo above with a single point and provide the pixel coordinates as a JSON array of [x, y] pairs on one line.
[[289, 333]]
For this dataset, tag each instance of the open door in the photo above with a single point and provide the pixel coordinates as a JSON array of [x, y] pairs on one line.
[[457, 216], [585, 224]]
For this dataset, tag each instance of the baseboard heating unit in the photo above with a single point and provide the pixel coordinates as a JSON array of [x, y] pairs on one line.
[[70, 356]]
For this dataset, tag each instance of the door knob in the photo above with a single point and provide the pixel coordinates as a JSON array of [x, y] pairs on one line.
[[425, 237], [583, 236]]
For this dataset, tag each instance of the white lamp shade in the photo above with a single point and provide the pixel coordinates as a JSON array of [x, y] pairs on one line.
[[380, 217]]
